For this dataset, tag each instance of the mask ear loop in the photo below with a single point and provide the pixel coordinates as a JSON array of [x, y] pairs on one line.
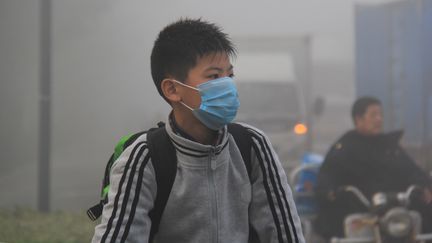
[[190, 108], [187, 86]]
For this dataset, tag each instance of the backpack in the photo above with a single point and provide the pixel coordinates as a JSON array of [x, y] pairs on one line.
[[164, 161]]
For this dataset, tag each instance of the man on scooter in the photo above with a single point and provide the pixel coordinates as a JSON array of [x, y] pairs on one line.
[[370, 160]]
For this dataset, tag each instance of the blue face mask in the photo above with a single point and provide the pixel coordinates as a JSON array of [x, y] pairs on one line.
[[219, 102]]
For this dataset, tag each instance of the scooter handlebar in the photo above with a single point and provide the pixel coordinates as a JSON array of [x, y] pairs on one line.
[[354, 190]]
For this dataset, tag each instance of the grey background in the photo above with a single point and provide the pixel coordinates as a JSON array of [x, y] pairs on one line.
[[102, 88]]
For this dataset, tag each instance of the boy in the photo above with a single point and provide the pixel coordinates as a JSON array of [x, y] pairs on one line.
[[213, 198]]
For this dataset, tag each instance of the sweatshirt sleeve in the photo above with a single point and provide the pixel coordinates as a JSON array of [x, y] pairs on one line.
[[272, 213], [130, 198]]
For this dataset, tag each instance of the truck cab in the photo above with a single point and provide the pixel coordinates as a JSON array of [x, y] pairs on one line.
[[272, 100]]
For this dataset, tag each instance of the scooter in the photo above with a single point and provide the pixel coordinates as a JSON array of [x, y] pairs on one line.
[[303, 179], [389, 219]]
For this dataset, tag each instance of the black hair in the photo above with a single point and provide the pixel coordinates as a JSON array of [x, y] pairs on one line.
[[360, 106], [180, 44]]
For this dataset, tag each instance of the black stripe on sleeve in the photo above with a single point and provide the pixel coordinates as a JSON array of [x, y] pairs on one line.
[[283, 203], [128, 190], [135, 201], [110, 221], [268, 192], [284, 197]]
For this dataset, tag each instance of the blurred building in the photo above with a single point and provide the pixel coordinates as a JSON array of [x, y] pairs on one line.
[[394, 63]]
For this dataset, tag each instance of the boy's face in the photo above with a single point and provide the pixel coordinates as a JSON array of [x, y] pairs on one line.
[[209, 67]]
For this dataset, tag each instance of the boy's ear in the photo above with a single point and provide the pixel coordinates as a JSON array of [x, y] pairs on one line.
[[170, 91]]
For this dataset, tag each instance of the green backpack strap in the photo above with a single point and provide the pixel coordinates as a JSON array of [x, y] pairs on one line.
[[96, 211]]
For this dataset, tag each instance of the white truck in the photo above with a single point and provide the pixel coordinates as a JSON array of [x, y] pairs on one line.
[[272, 76]]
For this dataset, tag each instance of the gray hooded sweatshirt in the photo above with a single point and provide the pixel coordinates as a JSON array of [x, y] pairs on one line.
[[212, 200]]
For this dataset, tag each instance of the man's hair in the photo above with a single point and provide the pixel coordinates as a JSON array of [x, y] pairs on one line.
[[361, 104], [181, 43]]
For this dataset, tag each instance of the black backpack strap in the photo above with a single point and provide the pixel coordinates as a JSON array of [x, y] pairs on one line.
[[164, 161], [243, 140]]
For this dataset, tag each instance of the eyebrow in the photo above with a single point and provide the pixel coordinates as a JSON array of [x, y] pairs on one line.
[[219, 69]]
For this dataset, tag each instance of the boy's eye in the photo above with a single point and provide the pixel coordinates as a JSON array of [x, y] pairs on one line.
[[214, 76]]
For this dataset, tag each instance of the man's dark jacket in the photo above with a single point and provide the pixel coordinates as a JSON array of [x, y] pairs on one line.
[[372, 164]]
